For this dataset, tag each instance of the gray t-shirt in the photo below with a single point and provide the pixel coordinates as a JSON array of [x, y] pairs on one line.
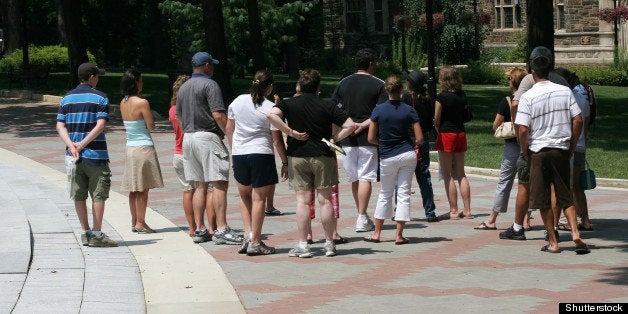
[[528, 81], [196, 100]]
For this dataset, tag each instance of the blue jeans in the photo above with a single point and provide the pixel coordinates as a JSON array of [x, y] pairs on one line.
[[424, 179]]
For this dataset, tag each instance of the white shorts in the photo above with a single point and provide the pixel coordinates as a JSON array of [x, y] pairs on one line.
[[360, 163], [177, 163]]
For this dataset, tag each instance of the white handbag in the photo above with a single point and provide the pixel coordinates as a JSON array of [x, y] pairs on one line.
[[506, 130]]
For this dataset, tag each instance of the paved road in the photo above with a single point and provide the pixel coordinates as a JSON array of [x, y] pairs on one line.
[[447, 266]]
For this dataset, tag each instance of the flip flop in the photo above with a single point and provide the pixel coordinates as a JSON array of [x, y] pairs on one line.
[[404, 241], [545, 248], [484, 226], [145, 230], [581, 248], [341, 240], [582, 228], [461, 215], [563, 227], [370, 239], [273, 212]]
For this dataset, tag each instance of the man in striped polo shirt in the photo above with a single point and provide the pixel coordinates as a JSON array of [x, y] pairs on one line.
[[81, 119]]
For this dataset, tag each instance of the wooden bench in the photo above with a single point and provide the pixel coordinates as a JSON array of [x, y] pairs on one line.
[[32, 75]]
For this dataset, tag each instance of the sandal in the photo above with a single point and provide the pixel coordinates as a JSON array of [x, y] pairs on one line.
[[273, 212], [371, 239], [484, 226], [563, 226], [340, 240], [145, 230]]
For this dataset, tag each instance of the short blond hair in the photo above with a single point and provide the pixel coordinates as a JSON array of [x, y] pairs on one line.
[[450, 79]]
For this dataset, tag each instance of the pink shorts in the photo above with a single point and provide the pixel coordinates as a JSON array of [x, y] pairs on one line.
[[452, 142]]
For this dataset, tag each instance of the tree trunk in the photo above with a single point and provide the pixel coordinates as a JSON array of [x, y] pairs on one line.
[[540, 24], [70, 14], [11, 25], [217, 43], [255, 27]]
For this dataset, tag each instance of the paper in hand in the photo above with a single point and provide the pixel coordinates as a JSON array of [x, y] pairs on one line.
[[334, 146]]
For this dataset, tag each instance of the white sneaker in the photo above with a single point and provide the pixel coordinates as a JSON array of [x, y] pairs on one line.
[[364, 225], [330, 249]]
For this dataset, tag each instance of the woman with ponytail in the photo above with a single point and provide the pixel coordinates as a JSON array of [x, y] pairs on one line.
[[253, 160]]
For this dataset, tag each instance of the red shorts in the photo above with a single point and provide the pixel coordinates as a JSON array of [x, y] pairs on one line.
[[452, 142]]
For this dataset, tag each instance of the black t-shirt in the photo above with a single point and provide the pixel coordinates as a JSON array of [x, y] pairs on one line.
[[423, 107], [358, 94], [504, 109], [452, 111], [314, 115]]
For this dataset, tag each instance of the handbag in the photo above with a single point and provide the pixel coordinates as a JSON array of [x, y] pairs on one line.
[[587, 177], [506, 130]]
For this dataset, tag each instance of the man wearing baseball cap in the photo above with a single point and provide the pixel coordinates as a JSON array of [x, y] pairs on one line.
[[81, 120], [203, 118]]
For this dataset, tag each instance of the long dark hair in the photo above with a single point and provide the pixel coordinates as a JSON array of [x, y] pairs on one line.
[[129, 84], [261, 80]]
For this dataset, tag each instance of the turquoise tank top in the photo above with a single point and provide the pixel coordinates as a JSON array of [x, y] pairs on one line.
[[137, 133]]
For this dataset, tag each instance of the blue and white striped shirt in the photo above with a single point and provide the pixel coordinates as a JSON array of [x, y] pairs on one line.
[[80, 109]]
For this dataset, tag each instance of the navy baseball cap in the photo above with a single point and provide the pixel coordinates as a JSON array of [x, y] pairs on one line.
[[202, 57]]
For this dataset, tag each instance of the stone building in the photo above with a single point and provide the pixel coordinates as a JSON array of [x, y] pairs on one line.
[[580, 37]]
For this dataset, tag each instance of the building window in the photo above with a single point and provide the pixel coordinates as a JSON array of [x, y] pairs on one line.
[[371, 15], [507, 14], [560, 15]]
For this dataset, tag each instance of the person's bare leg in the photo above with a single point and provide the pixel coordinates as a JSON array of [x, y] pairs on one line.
[[188, 210], [364, 196], [270, 199], [198, 204], [219, 199], [246, 207], [98, 211], [522, 203], [327, 212], [555, 208], [580, 199], [303, 214], [548, 219], [257, 215], [81, 212], [211, 213], [446, 160], [379, 225], [141, 202], [463, 183], [570, 214], [133, 208], [399, 232], [526, 221]]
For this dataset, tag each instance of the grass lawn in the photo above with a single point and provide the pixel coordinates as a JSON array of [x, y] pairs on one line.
[[606, 152]]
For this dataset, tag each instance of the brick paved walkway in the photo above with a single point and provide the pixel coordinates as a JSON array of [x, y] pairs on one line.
[[447, 266]]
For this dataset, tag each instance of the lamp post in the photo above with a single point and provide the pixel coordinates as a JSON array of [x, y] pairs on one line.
[[431, 73], [615, 39]]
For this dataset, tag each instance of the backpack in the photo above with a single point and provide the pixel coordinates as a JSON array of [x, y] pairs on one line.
[[592, 103]]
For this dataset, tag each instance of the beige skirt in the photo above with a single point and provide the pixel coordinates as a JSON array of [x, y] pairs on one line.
[[141, 169]]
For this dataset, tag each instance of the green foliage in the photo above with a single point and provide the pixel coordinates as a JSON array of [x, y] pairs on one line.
[[484, 74], [54, 57], [184, 21], [456, 44], [328, 61], [278, 23], [508, 54], [602, 75], [386, 68], [414, 55]]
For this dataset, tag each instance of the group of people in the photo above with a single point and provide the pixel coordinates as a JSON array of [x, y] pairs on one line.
[[381, 130]]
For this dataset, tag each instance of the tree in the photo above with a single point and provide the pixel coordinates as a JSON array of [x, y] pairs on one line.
[[70, 15], [11, 24], [255, 27], [217, 44], [540, 27]]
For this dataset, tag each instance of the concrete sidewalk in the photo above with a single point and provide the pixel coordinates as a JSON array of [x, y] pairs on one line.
[[445, 267]]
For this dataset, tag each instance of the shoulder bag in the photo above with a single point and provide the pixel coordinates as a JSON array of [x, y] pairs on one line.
[[587, 177], [506, 130]]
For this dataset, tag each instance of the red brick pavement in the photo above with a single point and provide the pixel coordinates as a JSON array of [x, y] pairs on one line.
[[447, 266]]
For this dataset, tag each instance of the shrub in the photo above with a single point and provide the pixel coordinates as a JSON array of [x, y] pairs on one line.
[[602, 75], [54, 57], [484, 74]]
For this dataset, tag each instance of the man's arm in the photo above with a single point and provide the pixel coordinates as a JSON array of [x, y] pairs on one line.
[[418, 133], [230, 128], [372, 136], [280, 147], [221, 120], [275, 116], [65, 137], [348, 128], [523, 136]]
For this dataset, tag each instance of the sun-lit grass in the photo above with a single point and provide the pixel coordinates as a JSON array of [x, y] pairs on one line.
[[607, 146]]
